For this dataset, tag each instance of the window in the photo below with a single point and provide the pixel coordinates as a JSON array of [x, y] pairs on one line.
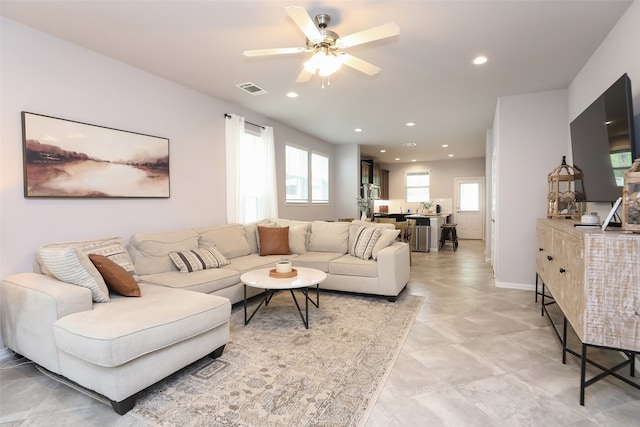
[[296, 174], [470, 197], [306, 175], [319, 178], [417, 187]]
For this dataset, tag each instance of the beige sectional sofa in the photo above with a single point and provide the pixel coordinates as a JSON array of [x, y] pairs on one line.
[[318, 244], [120, 347]]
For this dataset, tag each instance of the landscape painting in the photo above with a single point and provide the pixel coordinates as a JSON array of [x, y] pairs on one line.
[[64, 158]]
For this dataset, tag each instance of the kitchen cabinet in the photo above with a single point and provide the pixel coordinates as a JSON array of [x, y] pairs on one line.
[[384, 184]]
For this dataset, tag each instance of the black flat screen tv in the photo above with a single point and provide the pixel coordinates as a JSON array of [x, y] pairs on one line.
[[603, 143]]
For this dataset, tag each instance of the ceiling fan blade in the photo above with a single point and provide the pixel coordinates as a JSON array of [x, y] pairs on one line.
[[359, 64], [372, 34], [279, 51], [304, 76], [304, 21]]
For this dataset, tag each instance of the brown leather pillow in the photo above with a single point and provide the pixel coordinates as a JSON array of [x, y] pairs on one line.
[[117, 278], [274, 240]]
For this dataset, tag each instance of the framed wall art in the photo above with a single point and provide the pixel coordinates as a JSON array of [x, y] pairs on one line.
[[64, 158]]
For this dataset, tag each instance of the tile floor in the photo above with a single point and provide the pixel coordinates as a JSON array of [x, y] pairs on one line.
[[477, 355]]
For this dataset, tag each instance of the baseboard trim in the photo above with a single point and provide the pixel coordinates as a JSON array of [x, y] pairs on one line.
[[5, 353], [514, 285]]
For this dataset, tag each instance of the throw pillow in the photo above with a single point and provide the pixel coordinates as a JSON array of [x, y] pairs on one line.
[[116, 277], [273, 240], [113, 249], [65, 264], [198, 259], [364, 241], [387, 238]]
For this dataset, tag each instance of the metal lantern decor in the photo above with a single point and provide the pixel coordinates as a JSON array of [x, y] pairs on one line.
[[631, 198], [563, 200]]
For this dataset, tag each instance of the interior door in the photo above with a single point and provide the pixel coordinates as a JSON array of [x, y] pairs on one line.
[[469, 199]]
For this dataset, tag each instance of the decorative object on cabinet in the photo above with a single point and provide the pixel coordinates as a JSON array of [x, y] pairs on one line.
[[64, 158], [631, 198], [562, 198]]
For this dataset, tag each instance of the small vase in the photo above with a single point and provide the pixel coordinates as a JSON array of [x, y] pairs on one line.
[[364, 216]]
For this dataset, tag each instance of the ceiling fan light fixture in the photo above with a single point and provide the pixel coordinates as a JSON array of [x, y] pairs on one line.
[[323, 62]]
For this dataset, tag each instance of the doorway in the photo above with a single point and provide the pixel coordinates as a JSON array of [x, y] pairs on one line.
[[469, 206]]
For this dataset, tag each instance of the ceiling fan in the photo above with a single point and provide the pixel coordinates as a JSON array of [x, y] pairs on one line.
[[326, 45]]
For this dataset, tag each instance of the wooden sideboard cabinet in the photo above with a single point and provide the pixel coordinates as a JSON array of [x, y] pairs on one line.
[[594, 277]]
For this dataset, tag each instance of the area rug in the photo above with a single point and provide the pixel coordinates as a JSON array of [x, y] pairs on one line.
[[274, 372]]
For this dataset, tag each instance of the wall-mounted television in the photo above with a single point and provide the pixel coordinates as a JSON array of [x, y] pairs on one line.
[[603, 143]]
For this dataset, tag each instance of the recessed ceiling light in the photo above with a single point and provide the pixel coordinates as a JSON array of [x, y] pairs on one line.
[[445, 145], [397, 158], [383, 151], [357, 130], [479, 60], [413, 160], [409, 144], [292, 95], [450, 155], [411, 124]]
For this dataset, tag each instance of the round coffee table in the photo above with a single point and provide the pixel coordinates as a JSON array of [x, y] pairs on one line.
[[305, 278]]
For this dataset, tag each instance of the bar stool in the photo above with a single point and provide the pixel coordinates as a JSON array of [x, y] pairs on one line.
[[449, 233]]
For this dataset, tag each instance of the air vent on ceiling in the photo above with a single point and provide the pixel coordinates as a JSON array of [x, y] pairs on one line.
[[252, 88]]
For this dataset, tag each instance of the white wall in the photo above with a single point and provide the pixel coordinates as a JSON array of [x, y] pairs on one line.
[[347, 178], [618, 54], [533, 133], [46, 75]]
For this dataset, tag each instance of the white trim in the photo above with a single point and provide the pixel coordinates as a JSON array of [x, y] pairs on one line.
[[513, 285]]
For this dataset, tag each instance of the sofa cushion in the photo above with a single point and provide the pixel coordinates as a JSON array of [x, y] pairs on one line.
[[117, 278], [251, 262], [205, 281], [348, 265], [317, 260], [298, 235], [198, 259], [127, 328], [363, 242], [230, 239], [70, 265], [273, 240], [329, 237], [150, 251]]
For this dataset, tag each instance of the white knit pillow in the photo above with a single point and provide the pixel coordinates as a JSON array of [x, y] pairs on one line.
[[65, 264], [364, 241], [198, 259]]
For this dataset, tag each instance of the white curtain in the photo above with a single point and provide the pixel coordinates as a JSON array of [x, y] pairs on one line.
[[251, 173], [270, 197]]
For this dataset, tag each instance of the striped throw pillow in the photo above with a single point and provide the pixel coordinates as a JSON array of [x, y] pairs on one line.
[[65, 263], [198, 259], [363, 242]]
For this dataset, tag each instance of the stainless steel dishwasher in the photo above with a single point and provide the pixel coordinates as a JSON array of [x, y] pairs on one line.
[[421, 238]]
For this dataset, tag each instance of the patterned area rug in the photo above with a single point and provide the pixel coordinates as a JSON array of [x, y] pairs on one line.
[[274, 372]]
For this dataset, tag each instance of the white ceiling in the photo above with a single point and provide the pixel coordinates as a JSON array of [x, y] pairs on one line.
[[427, 76]]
